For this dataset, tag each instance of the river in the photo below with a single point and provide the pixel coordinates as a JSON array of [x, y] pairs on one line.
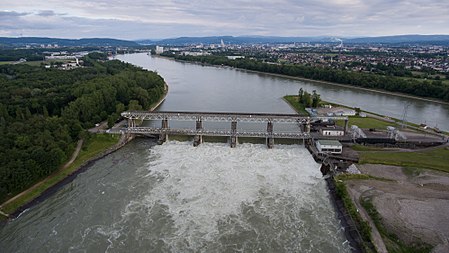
[[177, 198], [195, 87]]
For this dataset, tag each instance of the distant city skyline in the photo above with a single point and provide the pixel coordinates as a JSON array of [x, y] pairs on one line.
[[150, 19]]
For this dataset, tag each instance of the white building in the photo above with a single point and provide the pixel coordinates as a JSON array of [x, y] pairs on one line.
[[329, 146], [234, 57], [332, 131], [159, 50]]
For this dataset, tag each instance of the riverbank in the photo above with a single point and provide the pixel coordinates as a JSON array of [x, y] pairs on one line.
[[158, 103], [398, 94], [384, 194], [100, 146], [80, 160]]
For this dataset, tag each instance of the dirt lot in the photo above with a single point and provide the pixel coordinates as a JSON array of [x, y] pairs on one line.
[[415, 206]]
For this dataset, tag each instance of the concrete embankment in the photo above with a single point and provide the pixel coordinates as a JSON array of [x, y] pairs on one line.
[[154, 107]]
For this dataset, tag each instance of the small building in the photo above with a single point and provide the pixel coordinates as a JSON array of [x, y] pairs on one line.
[[344, 112], [159, 50], [235, 57], [329, 146], [332, 131]]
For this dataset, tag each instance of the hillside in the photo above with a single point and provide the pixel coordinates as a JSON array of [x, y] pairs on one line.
[[98, 42]]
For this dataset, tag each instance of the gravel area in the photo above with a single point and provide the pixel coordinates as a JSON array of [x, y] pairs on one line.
[[415, 206]]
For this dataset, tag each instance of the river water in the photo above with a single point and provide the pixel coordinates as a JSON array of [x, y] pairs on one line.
[[177, 198], [206, 88]]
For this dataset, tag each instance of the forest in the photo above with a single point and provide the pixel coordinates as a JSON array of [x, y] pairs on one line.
[[44, 112], [416, 87]]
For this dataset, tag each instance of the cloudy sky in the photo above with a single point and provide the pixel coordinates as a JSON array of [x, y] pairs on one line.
[[142, 19]]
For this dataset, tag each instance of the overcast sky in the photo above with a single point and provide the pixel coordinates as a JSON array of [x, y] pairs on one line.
[[142, 19]]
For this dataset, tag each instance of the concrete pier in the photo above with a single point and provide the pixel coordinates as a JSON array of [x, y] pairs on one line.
[[233, 134], [270, 139], [163, 136], [198, 139]]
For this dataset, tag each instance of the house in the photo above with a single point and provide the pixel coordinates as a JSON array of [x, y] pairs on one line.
[[329, 146], [332, 131]]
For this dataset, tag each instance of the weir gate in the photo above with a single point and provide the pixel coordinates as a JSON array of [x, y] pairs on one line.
[[232, 125]]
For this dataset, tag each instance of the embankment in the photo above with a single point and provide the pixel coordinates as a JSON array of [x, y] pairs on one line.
[[124, 139]]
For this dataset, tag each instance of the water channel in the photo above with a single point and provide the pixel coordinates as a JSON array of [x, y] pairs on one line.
[[177, 198]]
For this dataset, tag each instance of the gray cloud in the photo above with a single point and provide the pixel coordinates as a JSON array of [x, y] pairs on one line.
[[172, 18], [11, 14], [46, 13]]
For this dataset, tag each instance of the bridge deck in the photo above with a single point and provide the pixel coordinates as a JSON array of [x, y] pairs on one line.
[[222, 116], [193, 132]]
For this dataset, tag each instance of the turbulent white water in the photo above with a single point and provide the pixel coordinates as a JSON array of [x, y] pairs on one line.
[[244, 199], [180, 198]]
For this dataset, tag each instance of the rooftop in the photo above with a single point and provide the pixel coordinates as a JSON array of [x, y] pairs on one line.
[[329, 142]]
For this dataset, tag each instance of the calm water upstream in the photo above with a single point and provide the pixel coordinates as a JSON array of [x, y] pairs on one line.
[[177, 198], [204, 88]]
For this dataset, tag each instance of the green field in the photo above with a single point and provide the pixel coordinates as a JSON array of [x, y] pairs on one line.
[[97, 144], [436, 159], [293, 101], [367, 123]]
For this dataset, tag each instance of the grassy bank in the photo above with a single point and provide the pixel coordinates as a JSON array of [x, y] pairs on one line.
[[436, 159], [367, 123], [94, 146], [361, 122], [362, 226], [293, 102]]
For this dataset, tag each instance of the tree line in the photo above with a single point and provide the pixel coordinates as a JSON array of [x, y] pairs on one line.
[[43, 112], [422, 88]]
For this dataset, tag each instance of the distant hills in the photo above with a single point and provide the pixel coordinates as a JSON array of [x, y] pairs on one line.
[[96, 42], [402, 39], [102, 42], [397, 39], [232, 40]]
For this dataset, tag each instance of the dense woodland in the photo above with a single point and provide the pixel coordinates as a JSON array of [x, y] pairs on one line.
[[43, 112], [423, 88]]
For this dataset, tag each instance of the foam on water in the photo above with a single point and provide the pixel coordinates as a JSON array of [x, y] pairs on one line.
[[242, 199], [177, 198]]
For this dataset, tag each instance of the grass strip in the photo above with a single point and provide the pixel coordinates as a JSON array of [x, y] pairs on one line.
[[362, 225], [367, 123], [293, 102], [435, 159]]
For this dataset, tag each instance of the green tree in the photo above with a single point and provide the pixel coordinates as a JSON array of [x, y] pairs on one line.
[[300, 94], [315, 99], [134, 105]]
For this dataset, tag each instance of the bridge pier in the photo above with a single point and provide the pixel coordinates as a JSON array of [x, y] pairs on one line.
[[131, 123], [346, 126], [163, 137], [233, 134], [270, 138], [307, 126], [198, 139]]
